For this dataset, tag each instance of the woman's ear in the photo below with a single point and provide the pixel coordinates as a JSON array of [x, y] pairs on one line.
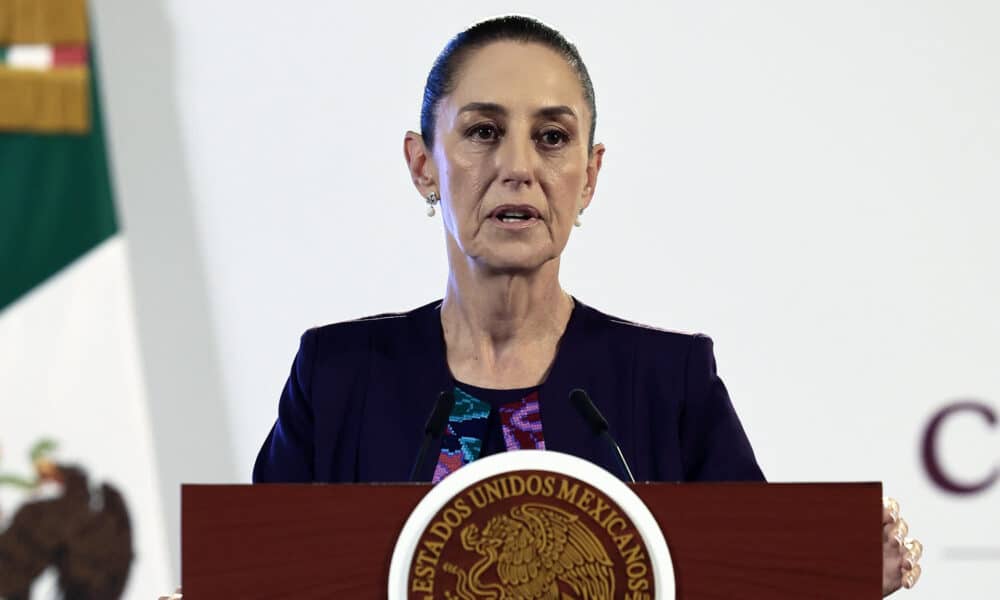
[[593, 169], [420, 163]]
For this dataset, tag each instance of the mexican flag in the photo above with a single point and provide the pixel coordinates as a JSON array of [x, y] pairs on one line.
[[70, 366]]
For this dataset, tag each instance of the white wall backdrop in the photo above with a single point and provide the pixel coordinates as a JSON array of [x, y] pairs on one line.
[[813, 184]]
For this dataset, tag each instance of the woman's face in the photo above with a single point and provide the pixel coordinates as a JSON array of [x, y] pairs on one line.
[[510, 159]]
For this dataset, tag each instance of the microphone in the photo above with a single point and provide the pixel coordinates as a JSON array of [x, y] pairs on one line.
[[583, 404], [433, 429]]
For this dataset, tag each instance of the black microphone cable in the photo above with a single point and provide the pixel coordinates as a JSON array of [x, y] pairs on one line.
[[433, 429], [583, 404]]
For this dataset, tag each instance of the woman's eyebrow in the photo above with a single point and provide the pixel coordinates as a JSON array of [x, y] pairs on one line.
[[483, 107], [549, 112]]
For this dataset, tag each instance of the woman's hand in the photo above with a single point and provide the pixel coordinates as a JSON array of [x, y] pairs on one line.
[[900, 554]]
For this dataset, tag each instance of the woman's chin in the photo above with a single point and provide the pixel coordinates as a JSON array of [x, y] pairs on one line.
[[516, 262]]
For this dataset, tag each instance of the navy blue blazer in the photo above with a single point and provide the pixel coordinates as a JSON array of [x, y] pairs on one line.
[[355, 404]]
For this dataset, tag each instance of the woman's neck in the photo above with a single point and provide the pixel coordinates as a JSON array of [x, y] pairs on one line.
[[502, 330]]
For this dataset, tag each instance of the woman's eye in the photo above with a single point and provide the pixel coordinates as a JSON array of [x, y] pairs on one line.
[[484, 133], [553, 137]]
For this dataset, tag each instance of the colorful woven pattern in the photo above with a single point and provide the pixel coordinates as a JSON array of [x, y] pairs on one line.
[[463, 438], [522, 424], [462, 442]]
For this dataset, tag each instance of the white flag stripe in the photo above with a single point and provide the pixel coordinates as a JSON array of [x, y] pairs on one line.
[[30, 56], [70, 369]]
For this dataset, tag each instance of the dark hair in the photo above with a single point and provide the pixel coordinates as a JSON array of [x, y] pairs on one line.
[[441, 79]]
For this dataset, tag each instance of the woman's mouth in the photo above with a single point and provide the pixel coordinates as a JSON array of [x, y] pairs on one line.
[[509, 216]]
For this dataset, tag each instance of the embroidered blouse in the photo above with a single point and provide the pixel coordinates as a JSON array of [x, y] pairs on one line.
[[484, 422]]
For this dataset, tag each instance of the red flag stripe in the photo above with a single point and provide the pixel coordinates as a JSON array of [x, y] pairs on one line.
[[69, 56]]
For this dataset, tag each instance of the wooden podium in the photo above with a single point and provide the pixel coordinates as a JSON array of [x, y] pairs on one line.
[[727, 540]]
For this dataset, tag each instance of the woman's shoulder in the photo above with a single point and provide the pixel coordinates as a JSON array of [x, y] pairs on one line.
[[362, 332], [643, 337]]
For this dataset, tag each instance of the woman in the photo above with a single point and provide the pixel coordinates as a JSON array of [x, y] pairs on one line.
[[507, 149]]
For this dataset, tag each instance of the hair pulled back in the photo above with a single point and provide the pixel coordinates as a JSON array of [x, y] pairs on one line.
[[441, 79]]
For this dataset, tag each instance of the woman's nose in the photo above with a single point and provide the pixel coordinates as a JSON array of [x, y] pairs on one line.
[[515, 161]]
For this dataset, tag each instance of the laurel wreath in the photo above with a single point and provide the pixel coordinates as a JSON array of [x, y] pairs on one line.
[[39, 455]]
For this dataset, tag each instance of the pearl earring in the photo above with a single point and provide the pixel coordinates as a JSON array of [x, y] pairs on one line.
[[577, 223], [432, 199]]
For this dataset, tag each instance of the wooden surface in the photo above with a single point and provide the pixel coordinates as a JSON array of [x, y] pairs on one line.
[[727, 541]]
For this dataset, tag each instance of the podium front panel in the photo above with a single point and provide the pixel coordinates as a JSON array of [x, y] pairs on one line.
[[727, 540]]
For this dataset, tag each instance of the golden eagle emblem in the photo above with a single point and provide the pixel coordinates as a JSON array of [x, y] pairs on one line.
[[534, 552]]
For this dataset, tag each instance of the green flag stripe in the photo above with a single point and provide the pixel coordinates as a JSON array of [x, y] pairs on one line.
[[55, 201]]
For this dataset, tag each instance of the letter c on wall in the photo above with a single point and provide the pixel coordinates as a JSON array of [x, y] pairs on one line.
[[930, 455]]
